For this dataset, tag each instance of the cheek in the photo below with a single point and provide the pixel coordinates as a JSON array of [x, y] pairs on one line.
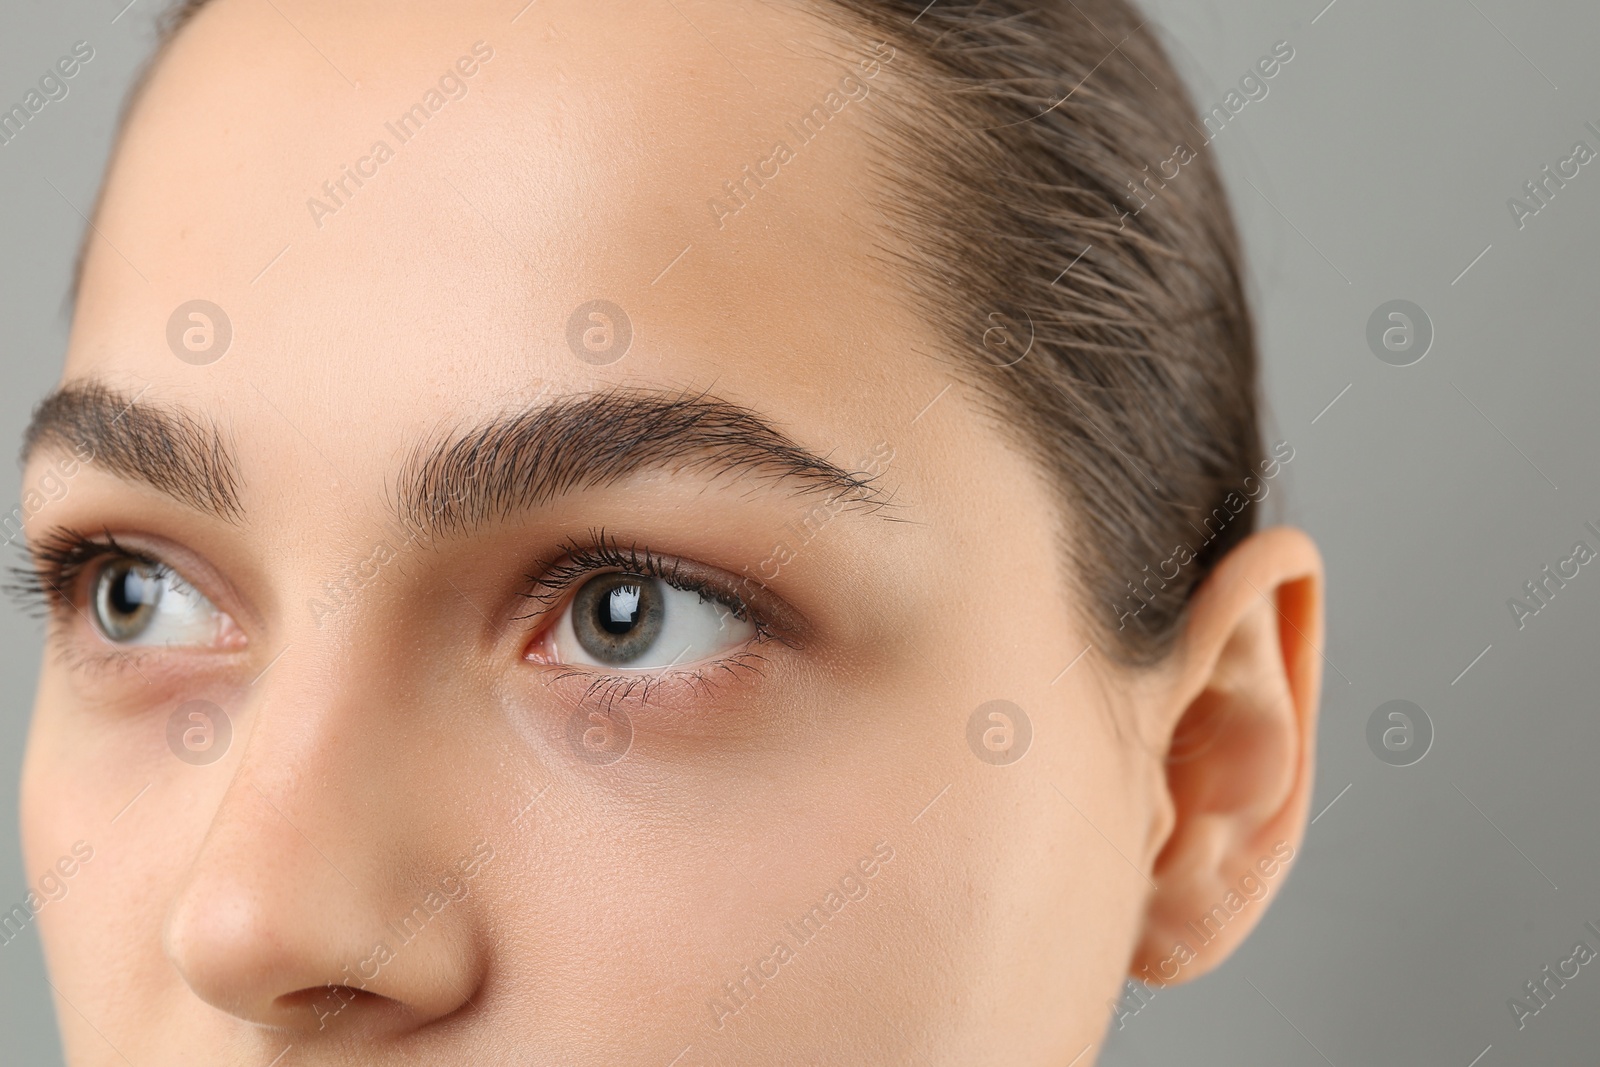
[[59, 802], [102, 940], [686, 902], [1047, 911]]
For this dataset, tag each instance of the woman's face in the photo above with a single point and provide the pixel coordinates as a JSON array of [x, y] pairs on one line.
[[497, 661]]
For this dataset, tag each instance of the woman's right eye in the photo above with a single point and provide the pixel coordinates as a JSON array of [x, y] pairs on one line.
[[640, 622], [135, 602]]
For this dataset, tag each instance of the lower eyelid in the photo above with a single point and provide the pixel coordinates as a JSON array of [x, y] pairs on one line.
[[598, 686], [106, 661]]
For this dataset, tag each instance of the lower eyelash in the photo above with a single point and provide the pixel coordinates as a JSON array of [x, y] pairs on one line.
[[111, 661], [609, 689]]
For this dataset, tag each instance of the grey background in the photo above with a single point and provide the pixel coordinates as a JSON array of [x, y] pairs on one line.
[[1377, 168]]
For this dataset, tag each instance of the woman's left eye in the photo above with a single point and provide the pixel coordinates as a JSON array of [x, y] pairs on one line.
[[640, 622], [134, 602]]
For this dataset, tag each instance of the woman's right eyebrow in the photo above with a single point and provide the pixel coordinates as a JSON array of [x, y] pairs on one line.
[[510, 463], [183, 455]]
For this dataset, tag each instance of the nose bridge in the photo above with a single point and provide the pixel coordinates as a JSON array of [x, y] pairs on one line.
[[353, 576], [338, 719], [314, 752], [299, 724], [339, 695], [314, 852]]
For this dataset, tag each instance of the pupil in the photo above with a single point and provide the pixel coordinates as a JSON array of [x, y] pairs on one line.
[[125, 598], [619, 610], [128, 592]]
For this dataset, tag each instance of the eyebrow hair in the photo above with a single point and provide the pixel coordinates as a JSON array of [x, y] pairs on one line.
[[520, 461], [182, 455], [511, 463]]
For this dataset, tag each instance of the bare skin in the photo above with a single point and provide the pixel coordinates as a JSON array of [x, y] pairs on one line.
[[405, 747]]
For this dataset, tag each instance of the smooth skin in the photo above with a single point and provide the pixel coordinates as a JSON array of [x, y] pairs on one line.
[[378, 748]]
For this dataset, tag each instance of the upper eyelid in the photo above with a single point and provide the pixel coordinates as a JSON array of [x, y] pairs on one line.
[[92, 562], [764, 609], [579, 560]]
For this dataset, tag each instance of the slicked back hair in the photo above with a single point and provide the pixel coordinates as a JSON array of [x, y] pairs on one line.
[[1025, 167], [1018, 167]]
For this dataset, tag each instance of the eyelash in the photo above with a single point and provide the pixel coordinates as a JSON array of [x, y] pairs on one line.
[[48, 584], [57, 563], [607, 690], [552, 582], [581, 559]]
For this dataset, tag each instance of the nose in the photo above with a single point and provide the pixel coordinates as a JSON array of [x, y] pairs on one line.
[[306, 907]]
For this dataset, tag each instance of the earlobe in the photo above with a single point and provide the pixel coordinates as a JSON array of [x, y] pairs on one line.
[[1237, 737]]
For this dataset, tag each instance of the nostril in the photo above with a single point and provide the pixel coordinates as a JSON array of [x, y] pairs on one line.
[[328, 1003]]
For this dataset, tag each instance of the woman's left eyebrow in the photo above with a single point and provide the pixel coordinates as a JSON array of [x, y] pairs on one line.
[[525, 460]]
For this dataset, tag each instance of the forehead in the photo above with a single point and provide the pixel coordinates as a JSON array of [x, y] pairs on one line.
[[406, 214]]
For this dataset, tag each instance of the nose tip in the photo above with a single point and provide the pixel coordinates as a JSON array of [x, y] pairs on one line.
[[244, 956], [230, 950], [225, 949], [267, 929]]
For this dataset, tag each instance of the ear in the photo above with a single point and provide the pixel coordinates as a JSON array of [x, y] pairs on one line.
[[1236, 726]]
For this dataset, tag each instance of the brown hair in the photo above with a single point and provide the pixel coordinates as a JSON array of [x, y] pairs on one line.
[[1014, 162], [1034, 125]]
